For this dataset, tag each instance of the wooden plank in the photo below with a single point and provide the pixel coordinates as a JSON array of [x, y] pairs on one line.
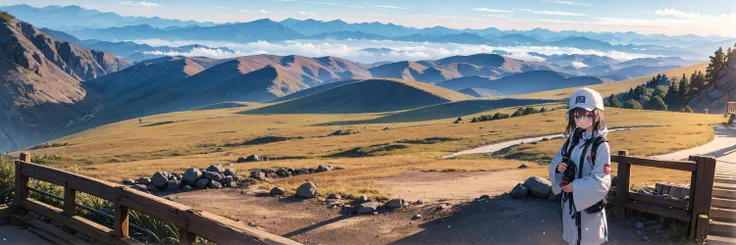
[[704, 190], [623, 173], [221, 230], [49, 231], [701, 231], [21, 186], [666, 212], [676, 165], [679, 204], [25, 156], [95, 187], [70, 201], [122, 221], [186, 237], [93, 230]]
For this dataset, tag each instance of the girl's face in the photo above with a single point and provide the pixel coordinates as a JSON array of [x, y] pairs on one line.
[[583, 120]]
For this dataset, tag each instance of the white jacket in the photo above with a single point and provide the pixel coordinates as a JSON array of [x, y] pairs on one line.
[[588, 190]]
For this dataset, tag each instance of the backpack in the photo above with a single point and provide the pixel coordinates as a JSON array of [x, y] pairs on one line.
[[597, 141]]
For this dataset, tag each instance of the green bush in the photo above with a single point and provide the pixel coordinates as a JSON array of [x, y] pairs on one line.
[[6, 17]]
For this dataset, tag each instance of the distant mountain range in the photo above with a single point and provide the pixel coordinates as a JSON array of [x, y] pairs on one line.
[[84, 23]]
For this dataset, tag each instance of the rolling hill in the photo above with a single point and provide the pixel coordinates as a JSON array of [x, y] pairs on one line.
[[526, 82], [364, 96]]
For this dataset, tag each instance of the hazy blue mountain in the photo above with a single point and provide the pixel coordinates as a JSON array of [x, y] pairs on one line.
[[62, 36]]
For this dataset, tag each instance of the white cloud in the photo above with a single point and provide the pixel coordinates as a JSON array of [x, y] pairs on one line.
[[495, 15], [578, 64], [334, 4], [306, 13], [676, 13], [199, 51], [263, 11], [399, 51], [142, 4], [572, 3], [245, 11], [557, 13], [388, 6], [491, 10]]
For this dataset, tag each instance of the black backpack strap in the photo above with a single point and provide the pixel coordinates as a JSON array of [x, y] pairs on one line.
[[593, 151]]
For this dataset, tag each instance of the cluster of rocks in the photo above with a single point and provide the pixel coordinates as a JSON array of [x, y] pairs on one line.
[[251, 158], [274, 173], [667, 191], [361, 205], [343, 132], [535, 186], [215, 176]]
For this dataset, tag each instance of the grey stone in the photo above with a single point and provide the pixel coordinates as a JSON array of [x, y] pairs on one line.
[[334, 196], [485, 197], [210, 175], [638, 232], [276, 191], [227, 180], [216, 168], [443, 206], [230, 172], [363, 199], [170, 198], [128, 181], [201, 183], [519, 191], [173, 185], [639, 225], [395, 203], [368, 207], [232, 184], [307, 190], [140, 187], [214, 184], [159, 180], [186, 188], [416, 217], [144, 180], [191, 176], [522, 166], [538, 186], [258, 175], [324, 168]]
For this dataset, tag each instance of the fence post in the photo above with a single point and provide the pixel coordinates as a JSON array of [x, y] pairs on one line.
[[70, 201], [122, 221], [705, 173], [624, 173], [21, 183], [186, 237]]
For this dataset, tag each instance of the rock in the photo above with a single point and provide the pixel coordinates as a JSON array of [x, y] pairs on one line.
[[227, 180], [554, 197], [283, 173], [128, 182], [144, 180], [214, 184], [210, 175], [639, 225], [334, 196], [276, 191], [522, 166], [419, 202], [302, 171], [483, 197], [306, 190], [538, 186], [363, 199], [519, 191], [416, 217], [443, 206], [233, 184], [140, 187], [170, 198], [191, 176], [386, 128], [173, 185], [368, 207], [323, 168], [395, 203], [645, 238], [638, 232], [258, 175], [186, 188], [231, 172], [216, 168], [251, 158], [159, 180], [201, 183]]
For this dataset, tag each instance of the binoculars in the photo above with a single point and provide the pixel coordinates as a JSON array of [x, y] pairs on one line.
[[569, 175]]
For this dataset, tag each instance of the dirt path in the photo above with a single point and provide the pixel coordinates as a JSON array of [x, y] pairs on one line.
[[722, 147]]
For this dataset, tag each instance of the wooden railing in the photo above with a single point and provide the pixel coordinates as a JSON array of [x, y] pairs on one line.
[[731, 108], [695, 211], [190, 222]]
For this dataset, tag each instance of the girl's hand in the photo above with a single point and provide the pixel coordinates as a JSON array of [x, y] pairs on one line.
[[561, 167], [567, 188]]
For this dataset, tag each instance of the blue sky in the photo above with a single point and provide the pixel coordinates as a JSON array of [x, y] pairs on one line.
[[659, 16]]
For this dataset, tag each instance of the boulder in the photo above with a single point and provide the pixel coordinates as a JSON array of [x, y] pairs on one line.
[[140, 187], [519, 191], [233, 185], [159, 180], [258, 175], [443, 206], [230, 172], [128, 181], [251, 158], [334, 196], [186, 188], [323, 168], [276, 191], [306, 190], [201, 183], [416, 217], [144, 180], [173, 185], [191, 176], [212, 176], [214, 184], [216, 168], [283, 173], [522, 166], [483, 197], [538, 186], [226, 180], [368, 207], [363, 199], [395, 203]]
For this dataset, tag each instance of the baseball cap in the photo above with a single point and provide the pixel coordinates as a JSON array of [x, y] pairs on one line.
[[585, 98]]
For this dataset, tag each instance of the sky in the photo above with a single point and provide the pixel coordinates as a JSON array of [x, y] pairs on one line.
[[642, 16]]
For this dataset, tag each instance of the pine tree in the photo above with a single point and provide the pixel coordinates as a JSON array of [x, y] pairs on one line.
[[613, 101], [682, 91], [631, 95], [697, 84], [717, 62], [671, 97], [656, 103], [632, 104], [640, 91]]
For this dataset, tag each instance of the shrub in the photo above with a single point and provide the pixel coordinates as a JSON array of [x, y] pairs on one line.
[[6, 17]]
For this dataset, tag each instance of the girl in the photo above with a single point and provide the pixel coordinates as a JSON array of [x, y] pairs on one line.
[[589, 171]]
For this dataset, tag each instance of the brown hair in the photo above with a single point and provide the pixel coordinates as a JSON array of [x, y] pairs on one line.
[[598, 122]]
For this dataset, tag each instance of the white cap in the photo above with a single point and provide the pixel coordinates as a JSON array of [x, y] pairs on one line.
[[587, 99]]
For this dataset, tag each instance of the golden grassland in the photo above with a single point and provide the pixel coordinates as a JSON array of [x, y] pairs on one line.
[[176, 141]]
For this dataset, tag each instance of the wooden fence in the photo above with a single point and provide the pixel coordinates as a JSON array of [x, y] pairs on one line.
[[731, 108], [695, 211], [190, 222]]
